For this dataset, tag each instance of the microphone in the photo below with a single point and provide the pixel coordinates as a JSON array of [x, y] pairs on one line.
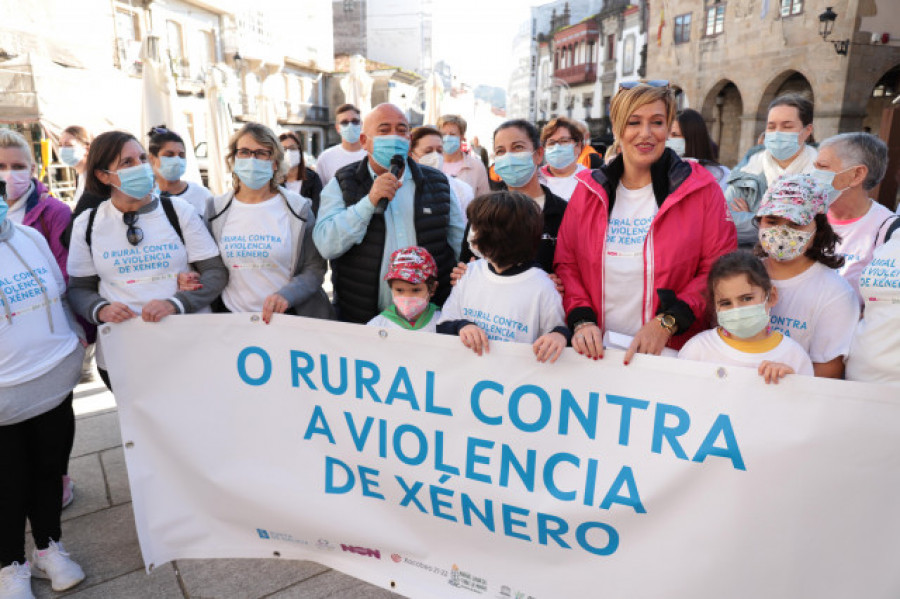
[[397, 163]]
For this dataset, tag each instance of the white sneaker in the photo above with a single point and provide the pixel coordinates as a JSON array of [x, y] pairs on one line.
[[15, 582], [54, 563]]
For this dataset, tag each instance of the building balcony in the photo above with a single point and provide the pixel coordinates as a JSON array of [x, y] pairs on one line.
[[578, 74]]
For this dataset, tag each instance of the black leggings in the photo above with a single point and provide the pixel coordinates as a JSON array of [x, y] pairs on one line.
[[70, 438], [104, 376], [33, 453]]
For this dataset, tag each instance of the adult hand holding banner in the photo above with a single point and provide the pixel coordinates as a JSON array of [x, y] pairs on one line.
[[403, 459]]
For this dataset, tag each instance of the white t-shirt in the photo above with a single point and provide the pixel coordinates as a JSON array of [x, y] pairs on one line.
[[332, 159], [134, 275], [518, 308], [563, 187], [709, 346], [858, 240], [464, 193], [32, 346], [197, 196], [818, 309], [623, 263], [875, 351], [257, 248], [386, 323]]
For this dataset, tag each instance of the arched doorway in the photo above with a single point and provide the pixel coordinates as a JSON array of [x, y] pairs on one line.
[[788, 82], [884, 92], [722, 110]]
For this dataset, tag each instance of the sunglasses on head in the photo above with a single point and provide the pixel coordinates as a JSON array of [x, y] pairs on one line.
[[651, 83], [134, 234]]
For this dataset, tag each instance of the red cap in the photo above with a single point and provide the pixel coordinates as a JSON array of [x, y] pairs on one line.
[[413, 265]]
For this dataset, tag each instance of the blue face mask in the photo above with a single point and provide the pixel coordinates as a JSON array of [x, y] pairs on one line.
[[826, 179], [171, 168], [782, 144], [71, 155], [253, 172], [136, 181], [746, 321], [451, 144], [385, 147], [4, 208], [515, 168], [560, 156], [350, 132]]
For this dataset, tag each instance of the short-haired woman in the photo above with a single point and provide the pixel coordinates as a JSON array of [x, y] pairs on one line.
[[563, 142], [850, 165], [168, 157], [426, 146], [264, 233], [125, 254], [300, 179], [640, 235]]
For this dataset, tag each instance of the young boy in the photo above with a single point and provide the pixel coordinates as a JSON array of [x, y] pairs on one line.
[[506, 296], [412, 277]]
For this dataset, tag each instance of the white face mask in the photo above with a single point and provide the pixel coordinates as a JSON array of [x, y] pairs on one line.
[[433, 159], [472, 246], [293, 157]]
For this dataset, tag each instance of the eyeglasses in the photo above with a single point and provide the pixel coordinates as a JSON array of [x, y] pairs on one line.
[[348, 122], [262, 154], [134, 235], [552, 143], [651, 83]]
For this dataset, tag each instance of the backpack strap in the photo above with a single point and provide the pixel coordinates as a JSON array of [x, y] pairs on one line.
[[90, 227], [893, 227], [288, 204], [224, 209], [171, 216]]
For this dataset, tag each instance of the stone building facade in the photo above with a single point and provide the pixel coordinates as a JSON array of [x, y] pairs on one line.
[[730, 60]]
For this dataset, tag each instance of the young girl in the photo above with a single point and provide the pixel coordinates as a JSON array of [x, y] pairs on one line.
[[412, 277], [818, 308], [505, 296], [742, 295]]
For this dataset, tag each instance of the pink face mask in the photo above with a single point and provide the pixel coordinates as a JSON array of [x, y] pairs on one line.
[[410, 307], [17, 183]]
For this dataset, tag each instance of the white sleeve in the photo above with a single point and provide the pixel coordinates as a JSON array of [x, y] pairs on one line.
[[80, 262], [198, 243], [552, 313], [835, 325], [692, 350], [452, 308]]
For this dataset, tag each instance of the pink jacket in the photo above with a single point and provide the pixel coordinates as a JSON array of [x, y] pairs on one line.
[[50, 217], [692, 228]]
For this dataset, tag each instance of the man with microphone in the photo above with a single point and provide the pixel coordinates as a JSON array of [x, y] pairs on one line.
[[380, 204]]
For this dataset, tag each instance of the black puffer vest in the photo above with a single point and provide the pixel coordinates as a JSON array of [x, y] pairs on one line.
[[357, 274]]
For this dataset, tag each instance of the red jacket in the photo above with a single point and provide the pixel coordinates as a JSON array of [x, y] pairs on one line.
[[692, 228]]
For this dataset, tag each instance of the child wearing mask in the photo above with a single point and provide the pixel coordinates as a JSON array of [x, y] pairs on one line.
[[818, 308], [412, 277], [505, 295], [742, 295]]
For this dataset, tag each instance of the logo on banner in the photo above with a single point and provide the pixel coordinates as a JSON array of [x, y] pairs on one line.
[[280, 536], [324, 545], [465, 580], [362, 551]]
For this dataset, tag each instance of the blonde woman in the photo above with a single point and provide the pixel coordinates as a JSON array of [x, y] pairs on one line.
[[264, 233], [640, 235]]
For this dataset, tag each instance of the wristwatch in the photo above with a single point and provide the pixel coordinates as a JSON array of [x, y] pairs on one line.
[[667, 321]]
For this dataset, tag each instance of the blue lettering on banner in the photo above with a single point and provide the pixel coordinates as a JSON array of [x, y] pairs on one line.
[[249, 246], [667, 430]]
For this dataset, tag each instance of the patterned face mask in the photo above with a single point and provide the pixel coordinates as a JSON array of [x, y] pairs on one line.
[[784, 243]]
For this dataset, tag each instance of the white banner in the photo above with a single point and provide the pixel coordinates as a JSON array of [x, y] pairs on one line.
[[406, 460]]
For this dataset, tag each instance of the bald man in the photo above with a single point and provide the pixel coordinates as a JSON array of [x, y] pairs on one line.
[[366, 213]]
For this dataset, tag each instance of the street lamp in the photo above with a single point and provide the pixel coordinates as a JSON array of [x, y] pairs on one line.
[[826, 26]]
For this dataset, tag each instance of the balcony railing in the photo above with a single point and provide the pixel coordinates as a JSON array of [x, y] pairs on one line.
[[580, 73]]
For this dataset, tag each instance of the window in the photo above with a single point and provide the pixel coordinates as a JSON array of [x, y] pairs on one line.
[[611, 46], [128, 42], [683, 28], [715, 19], [175, 42], [791, 7], [587, 100]]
